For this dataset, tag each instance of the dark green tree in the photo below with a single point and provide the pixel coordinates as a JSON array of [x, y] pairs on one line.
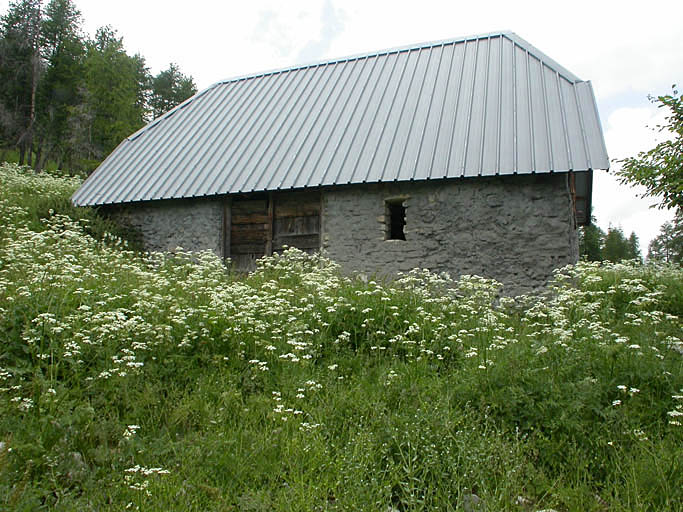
[[660, 170], [591, 241], [667, 247], [69, 100], [633, 248], [143, 81], [116, 92], [60, 89], [617, 247], [170, 88], [21, 66]]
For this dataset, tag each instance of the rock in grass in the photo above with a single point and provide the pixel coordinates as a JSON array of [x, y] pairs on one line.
[[472, 503], [78, 468]]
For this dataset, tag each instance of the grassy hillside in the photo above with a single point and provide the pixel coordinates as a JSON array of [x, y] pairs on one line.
[[152, 382]]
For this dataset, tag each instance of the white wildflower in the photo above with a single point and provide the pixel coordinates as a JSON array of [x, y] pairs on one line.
[[130, 431]]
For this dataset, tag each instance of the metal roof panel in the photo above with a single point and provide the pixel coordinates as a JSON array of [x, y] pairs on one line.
[[480, 105]]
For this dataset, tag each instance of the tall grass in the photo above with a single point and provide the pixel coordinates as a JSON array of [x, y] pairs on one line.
[[156, 382]]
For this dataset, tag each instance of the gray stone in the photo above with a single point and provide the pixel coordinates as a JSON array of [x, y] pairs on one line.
[[193, 224], [77, 467], [515, 229], [472, 503]]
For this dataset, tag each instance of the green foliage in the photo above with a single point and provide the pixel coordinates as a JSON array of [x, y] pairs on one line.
[[170, 88], [596, 245], [157, 381], [111, 79], [633, 248], [65, 101], [591, 241], [20, 72], [617, 247], [667, 247], [660, 170], [60, 89]]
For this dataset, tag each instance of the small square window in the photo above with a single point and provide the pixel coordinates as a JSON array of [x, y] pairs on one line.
[[395, 219]]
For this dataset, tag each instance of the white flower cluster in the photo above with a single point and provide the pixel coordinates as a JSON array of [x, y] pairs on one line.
[[676, 415], [130, 431], [137, 472]]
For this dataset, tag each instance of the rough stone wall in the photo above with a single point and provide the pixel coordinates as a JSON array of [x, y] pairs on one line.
[[193, 224], [514, 229]]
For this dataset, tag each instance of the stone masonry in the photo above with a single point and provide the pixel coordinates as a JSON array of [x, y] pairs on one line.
[[514, 229], [193, 224]]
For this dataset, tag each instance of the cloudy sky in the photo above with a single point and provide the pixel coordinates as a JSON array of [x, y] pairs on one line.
[[627, 49]]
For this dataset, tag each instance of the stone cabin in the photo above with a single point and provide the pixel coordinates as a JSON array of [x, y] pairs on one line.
[[472, 156]]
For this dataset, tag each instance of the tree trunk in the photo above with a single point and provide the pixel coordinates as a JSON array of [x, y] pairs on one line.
[[44, 154], [35, 44], [60, 159], [39, 160]]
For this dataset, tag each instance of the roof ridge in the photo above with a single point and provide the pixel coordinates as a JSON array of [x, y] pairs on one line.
[[512, 36], [550, 62], [509, 34], [297, 67], [363, 55]]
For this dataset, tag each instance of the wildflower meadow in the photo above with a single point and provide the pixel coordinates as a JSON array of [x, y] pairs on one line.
[[138, 381]]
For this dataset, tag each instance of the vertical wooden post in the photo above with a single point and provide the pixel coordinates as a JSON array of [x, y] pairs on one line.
[[572, 193], [269, 235], [227, 226], [321, 226]]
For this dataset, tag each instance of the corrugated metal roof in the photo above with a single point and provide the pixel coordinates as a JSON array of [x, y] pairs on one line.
[[477, 106]]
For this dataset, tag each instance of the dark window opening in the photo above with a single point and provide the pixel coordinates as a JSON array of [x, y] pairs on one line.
[[396, 212]]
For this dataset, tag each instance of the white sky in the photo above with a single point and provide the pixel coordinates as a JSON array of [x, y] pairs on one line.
[[627, 49]]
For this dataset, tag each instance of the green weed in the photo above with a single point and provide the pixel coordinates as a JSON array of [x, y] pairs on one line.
[[147, 381]]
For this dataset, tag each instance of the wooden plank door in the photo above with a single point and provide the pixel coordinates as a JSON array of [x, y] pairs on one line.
[[262, 224], [296, 221], [250, 231]]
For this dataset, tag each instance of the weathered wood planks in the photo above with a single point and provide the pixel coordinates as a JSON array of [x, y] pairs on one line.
[[262, 225]]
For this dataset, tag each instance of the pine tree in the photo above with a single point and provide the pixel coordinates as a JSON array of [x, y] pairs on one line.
[[60, 90], [633, 248], [667, 247], [70, 100], [170, 88], [591, 241], [115, 91], [21, 66], [616, 246]]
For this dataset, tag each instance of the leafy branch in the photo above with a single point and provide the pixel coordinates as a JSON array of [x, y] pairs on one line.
[[660, 170]]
